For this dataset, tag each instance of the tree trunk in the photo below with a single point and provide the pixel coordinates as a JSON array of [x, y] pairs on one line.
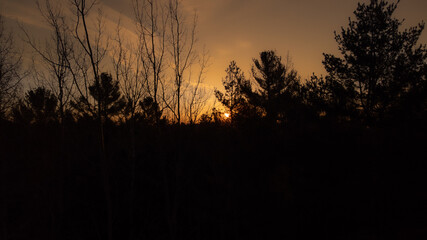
[[132, 177]]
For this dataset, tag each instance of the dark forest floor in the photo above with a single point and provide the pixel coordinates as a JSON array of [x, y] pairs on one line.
[[215, 182]]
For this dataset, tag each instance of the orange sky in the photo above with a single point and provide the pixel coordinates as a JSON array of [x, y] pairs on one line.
[[240, 29]]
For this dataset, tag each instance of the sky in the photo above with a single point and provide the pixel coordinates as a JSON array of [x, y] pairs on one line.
[[240, 29]]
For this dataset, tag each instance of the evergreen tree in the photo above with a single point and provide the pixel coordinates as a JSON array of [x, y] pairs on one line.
[[277, 87], [232, 98], [38, 107], [151, 113], [382, 69], [326, 96], [106, 93]]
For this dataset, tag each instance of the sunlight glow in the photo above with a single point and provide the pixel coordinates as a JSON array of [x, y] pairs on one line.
[[227, 115]]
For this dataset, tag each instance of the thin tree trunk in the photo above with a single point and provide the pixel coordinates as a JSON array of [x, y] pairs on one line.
[[3, 200], [103, 157], [179, 104], [132, 179]]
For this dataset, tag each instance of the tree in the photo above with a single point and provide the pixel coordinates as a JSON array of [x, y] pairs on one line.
[[129, 72], [108, 96], [151, 22], [92, 49], [53, 67], [150, 111], [182, 44], [380, 65], [233, 96], [10, 70], [324, 96], [196, 95], [55, 54], [106, 93], [38, 107], [277, 86]]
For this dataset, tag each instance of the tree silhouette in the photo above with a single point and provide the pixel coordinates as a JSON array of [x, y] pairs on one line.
[[150, 111], [151, 21], [10, 69], [108, 98], [233, 97], [380, 65], [127, 64], [108, 95], [91, 46], [325, 96], [182, 40], [55, 54], [38, 107], [277, 86]]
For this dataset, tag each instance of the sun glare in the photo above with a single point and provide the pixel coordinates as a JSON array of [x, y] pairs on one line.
[[227, 115]]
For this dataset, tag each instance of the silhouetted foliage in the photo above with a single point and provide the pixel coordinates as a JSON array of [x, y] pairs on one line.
[[151, 113], [326, 97], [233, 98], [107, 96], [10, 70], [277, 87], [215, 117], [321, 175], [38, 107], [382, 68]]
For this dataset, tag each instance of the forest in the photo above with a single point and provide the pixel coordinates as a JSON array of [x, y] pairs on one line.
[[119, 141]]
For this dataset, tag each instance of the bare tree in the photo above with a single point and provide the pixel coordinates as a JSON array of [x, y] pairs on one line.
[[10, 69], [93, 45], [93, 49], [10, 77], [55, 53], [55, 56], [182, 44], [151, 22], [129, 71], [79, 67], [197, 96]]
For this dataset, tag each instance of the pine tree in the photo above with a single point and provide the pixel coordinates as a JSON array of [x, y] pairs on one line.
[[276, 89], [381, 66], [151, 113], [232, 98], [39, 106], [106, 93]]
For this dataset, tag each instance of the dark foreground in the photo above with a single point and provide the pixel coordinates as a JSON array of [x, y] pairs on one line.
[[214, 182]]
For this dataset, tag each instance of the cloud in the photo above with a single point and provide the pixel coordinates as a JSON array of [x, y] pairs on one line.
[[24, 12], [240, 29]]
